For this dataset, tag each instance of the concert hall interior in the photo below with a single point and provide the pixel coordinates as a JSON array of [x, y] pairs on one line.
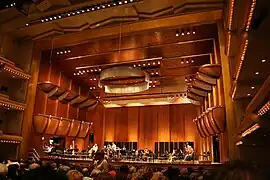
[[178, 81]]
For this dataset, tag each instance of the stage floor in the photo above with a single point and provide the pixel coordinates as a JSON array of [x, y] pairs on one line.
[[165, 163], [153, 164]]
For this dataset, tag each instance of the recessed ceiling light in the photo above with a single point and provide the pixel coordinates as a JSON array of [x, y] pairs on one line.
[[263, 60], [257, 73], [248, 94], [252, 87]]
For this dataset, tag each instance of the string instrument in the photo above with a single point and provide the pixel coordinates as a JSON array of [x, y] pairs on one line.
[[189, 150], [172, 155]]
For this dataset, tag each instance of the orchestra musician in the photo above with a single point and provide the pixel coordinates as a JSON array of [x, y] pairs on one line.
[[114, 147], [172, 156], [145, 154], [189, 152], [93, 150]]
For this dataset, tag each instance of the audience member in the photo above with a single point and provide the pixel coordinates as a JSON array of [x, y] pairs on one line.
[[74, 175]]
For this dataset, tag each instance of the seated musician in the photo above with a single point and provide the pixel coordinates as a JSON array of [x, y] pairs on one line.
[[76, 149], [146, 151], [189, 153], [172, 156], [93, 150], [114, 147]]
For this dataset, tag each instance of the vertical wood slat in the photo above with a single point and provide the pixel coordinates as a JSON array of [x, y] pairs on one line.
[[147, 125]]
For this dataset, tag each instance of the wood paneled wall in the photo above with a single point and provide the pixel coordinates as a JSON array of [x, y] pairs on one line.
[[47, 106], [144, 125], [150, 124]]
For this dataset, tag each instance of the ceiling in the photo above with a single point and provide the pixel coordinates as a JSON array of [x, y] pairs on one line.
[[55, 17], [256, 63], [98, 34], [170, 60]]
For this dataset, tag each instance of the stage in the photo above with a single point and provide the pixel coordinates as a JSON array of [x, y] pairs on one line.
[[152, 164]]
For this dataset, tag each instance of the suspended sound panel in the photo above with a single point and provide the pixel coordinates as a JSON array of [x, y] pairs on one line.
[[211, 122], [66, 96], [201, 85], [195, 97], [212, 70], [198, 92], [63, 128], [53, 125], [206, 79]]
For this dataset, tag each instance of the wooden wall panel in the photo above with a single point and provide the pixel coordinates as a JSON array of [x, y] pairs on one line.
[[177, 123], [41, 100], [147, 125], [72, 114], [121, 125], [109, 129], [51, 107], [163, 123], [132, 121], [54, 75], [82, 116], [65, 82], [190, 127], [62, 110], [96, 116], [44, 71]]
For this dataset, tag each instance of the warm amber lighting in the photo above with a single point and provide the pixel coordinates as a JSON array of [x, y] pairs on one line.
[[231, 14], [264, 109], [239, 143], [9, 141], [250, 14], [250, 130], [241, 60]]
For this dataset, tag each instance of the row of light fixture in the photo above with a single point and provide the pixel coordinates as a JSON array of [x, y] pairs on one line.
[[14, 72], [256, 73], [176, 96], [264, 109], [187, 61], [82, 72], [66, 51], [85, 10], [184, 32], [242, 59], [147, 64], [250, 14], [153, 83], [72, 120], [10, 5], [250, 130], [92, 87], [107, 101], [9, 141], [11, 106], [189, 79], [154, 73], [93, 79]]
